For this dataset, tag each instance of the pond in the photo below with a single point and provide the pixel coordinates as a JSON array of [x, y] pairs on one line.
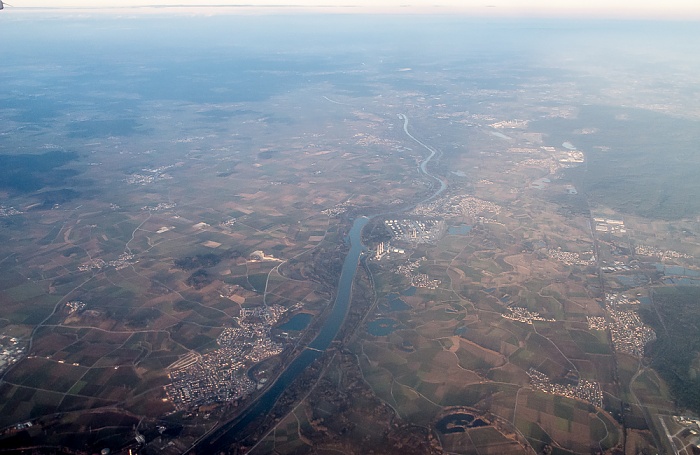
[[460, 330], [540, 184], [298, 322]]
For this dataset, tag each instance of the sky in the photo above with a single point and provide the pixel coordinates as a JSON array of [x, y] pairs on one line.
[[682, 9]]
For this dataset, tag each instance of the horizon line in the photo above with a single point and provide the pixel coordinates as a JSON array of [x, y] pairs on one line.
[[490, 11]]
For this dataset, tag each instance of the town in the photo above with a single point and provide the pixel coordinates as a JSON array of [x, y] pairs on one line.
[[219, 375], [457, 206], [629, 333]]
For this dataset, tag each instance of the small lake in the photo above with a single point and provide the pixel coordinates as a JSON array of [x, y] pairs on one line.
[[644, 300], [410, 292], [540, 184], [396, 304], [677, 270], [297, 323], [459, 230], [458, 423], [682, 281]]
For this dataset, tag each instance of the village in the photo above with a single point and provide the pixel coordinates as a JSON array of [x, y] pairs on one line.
[[11, 350], [521, 314], [585, 390], [9, 211], [124, 260]]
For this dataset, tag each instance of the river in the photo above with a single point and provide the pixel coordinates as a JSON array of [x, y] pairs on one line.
[[423, 167], [227, 435]]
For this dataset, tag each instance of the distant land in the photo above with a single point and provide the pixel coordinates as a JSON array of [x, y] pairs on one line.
[[313, 233]]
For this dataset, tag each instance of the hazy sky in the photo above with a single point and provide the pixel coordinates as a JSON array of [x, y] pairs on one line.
[[689, 9]]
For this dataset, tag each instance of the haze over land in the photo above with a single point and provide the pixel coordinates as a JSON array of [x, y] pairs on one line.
[[177, 197]]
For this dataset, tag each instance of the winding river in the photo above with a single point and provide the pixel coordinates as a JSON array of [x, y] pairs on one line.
[[228, 434], [423, 168]]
